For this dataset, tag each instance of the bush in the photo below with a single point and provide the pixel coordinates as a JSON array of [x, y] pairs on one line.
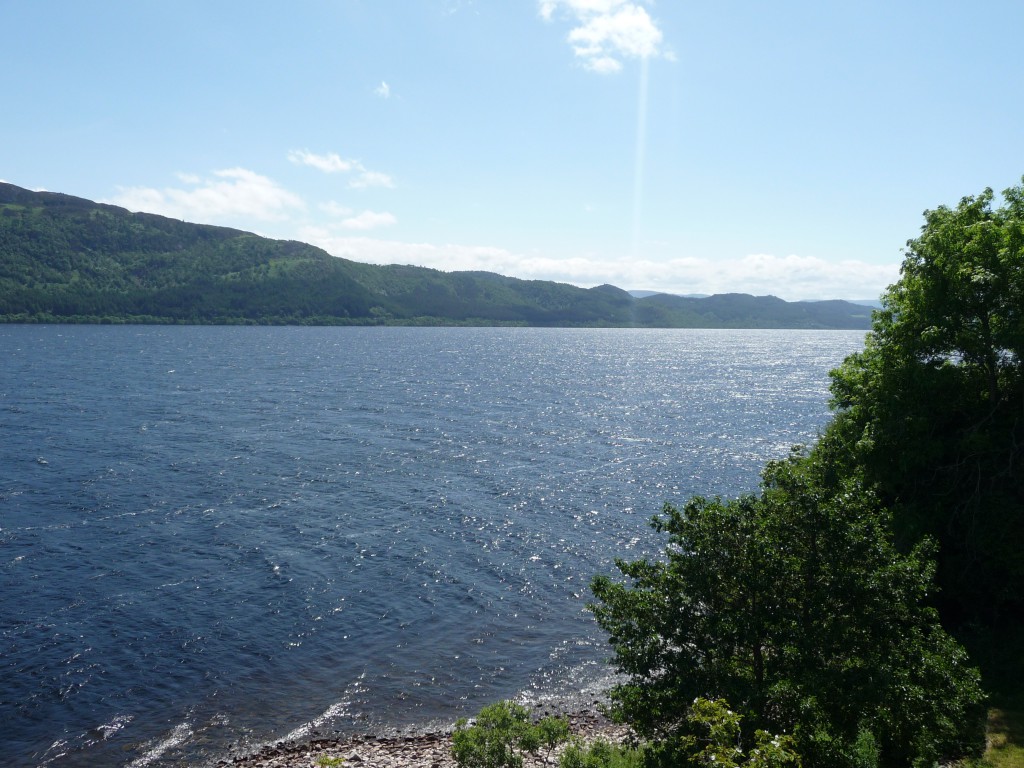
[[501, 735], [600, 754]]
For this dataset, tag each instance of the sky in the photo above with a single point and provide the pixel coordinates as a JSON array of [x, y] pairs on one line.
[[785, 148]]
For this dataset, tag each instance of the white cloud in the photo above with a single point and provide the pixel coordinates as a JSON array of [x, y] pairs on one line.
[[604, 65], [445, 257], [334, 163], [383, 90], [788, 277], [345, 218], [369, 220], [330, 163], [608, 31], [580, 7], [372, 179], [233, 192]]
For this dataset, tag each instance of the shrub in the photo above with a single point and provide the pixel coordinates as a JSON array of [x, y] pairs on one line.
[[501, 735], [600, 754]]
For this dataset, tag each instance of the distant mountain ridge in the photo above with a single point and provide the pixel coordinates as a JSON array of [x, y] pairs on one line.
[[645, 294], [67, 259]]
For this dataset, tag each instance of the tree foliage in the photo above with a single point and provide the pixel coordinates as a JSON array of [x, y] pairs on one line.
[[713, 739], [795, 606], [932, 411]]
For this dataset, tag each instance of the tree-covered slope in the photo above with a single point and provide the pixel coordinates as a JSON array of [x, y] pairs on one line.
[[741, 310], [66, 259]]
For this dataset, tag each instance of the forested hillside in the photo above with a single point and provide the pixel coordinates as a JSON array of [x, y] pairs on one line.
[[66, 259]]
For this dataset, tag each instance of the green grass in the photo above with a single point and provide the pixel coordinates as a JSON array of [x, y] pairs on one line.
[[1005, 738]]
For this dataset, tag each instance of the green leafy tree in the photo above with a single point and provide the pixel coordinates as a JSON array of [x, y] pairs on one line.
[[795, 606], [932, 411]]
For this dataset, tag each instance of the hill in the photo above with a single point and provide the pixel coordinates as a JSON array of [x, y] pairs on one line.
[[67, 259]]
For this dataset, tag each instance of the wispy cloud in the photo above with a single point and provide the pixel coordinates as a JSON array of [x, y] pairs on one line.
[[335, 209], [330, 163], [607, 31], [229, 193], [342, 219], [334, 163], [371, 179], [383, 90], [369, 220]]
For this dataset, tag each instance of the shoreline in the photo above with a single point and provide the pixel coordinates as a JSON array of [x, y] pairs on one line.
[[431, 749]]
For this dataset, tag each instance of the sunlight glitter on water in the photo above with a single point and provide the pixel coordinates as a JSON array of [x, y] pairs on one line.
[[420, 511]]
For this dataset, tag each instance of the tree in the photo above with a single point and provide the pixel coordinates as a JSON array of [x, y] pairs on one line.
[[795, 606], [932, 411]]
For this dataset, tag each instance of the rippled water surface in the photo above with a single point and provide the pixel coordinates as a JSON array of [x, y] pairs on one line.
[[215, 537]]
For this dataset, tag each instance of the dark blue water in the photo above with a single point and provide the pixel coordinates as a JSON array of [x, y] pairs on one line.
[[215, 537]]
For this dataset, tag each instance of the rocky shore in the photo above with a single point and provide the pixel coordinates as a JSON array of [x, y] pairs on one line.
[[427, 750]]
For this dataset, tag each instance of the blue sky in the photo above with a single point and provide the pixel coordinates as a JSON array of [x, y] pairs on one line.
[[784, 148]]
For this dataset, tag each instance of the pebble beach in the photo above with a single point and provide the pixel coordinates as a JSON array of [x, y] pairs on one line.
[[426, 750]]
